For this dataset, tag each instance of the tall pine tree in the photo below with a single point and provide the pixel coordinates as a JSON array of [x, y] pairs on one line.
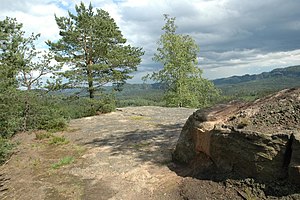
[[94, 49]]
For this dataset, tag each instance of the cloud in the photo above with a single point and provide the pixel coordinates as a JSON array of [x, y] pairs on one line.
[[235, 36], [224, 64], [36, 17]]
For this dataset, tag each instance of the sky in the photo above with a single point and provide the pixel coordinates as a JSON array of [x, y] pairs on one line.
[[235, 37]]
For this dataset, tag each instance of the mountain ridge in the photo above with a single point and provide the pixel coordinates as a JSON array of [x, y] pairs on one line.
[[250, 87], [292, 71]]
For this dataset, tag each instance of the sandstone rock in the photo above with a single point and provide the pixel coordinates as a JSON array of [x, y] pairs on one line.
[[294, 166], [258, 140]]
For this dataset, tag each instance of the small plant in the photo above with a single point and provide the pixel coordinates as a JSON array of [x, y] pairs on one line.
[[138, 118], [79, 149], [249, 195], [42, 136], [36, 162], [56, 140], [64, 161]]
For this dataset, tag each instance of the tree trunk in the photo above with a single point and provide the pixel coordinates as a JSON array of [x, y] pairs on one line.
[[90, 80], [91, 89], [27, 108], [26, 113]]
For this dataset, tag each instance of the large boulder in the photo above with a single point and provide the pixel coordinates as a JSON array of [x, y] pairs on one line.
[[259, 140]]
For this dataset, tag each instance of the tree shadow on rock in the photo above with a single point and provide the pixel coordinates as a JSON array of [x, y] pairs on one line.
[[154, 145]]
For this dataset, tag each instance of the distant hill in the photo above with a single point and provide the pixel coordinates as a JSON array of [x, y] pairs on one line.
[[247, 87], [288, 72], [260, 84], [140, 95]]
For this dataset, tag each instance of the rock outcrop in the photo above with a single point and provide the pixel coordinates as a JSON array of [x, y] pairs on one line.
[[259, 140]]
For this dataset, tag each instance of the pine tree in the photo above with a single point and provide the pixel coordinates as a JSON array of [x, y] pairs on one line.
[[11, 36], [94, 49]]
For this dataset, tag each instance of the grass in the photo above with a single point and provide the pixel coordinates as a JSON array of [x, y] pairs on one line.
[[56, 140], [62, 162], [79, 150], [42, 136], [139, 118], [53, 140]]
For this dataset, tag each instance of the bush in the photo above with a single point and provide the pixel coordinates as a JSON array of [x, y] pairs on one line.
[[52, 124], [5, 149], [107, 108], [10, 114], [72, 107], [139, 102]]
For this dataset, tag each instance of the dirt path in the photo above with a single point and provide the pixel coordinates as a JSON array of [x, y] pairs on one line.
[[121, 155]]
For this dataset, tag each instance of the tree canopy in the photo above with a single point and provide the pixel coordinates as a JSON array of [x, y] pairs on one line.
[[94, 49], [182, 79], [11, 36]]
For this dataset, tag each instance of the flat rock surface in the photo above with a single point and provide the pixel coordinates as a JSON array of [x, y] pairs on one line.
[[121, 155]]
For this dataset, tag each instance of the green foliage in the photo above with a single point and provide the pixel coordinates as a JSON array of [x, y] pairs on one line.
[[64, 161], [5, 149], [182, 79], [11, 36], [139, 101], [107, 108], [21, 110], [93, 45], [73, 107], [10, 113], [45, 112]]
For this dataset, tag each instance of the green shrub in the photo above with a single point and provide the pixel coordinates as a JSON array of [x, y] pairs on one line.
[[53, 125], [84, 107], [10, 114], [139, 102], [5, 149], [107, 108]]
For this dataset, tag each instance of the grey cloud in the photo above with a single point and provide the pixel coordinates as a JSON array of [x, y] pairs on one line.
[[265, 25], [234, 36]]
